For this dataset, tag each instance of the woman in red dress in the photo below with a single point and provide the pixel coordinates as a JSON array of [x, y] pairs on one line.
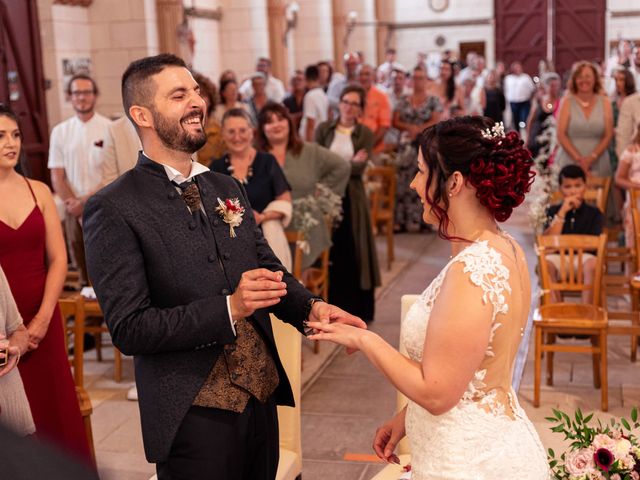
[[33, 257]]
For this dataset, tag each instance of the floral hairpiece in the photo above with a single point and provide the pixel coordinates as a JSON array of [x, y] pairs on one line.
[[497, 131]]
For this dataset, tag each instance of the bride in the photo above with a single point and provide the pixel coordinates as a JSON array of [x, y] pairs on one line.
[[463, 419]]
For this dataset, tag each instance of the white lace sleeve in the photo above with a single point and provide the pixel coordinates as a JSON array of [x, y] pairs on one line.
[[484, 264]]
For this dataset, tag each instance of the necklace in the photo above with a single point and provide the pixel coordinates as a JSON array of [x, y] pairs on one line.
[[586, 104], [245, 180]]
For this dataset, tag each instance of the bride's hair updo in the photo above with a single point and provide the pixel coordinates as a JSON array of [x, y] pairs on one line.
[[499, 167]]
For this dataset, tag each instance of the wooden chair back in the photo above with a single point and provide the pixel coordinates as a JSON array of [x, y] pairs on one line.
[[73, 307], [382, 184], [295, 239], [571, 250], [600, 183]]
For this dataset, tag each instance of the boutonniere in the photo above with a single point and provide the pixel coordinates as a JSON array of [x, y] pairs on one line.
[[231, 212]]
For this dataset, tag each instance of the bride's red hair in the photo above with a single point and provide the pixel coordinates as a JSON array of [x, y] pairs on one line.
[[499, 168]]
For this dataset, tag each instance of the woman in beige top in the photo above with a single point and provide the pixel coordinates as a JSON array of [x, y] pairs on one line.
[[14, 340]]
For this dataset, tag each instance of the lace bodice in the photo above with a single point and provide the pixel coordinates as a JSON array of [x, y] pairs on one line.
[[487, 420]]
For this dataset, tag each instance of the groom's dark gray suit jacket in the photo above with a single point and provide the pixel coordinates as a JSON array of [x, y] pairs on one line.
[[162, 288]]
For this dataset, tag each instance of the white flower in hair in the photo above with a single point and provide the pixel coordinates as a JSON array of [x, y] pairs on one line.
[[497, 131]]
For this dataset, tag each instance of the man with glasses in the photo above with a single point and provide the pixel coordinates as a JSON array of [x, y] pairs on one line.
[[74, 161]]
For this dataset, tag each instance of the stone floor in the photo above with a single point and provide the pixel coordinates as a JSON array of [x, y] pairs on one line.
[[345, 399]]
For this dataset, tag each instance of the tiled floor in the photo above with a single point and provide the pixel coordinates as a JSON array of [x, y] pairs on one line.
[[345, 399]]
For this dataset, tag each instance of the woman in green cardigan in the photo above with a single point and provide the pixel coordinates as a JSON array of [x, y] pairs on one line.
[[354, 271], [305, 165]]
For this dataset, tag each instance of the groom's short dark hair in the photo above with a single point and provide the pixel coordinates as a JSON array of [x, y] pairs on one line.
[[137, 88]]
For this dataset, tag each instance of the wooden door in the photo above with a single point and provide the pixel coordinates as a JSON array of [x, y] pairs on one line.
[[22, 81], [521, 32], [578, 32]]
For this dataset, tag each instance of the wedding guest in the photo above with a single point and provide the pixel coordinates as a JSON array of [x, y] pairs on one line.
[[543, 107], [215, 147], [585, 123], [377, 111], [33, 257], [448, 92], [628, 121], [228, 99], [259, 97], [295, 100], [304, 165], [325, 71], [461, 336], [263, 179], [495, 102], [74, 156], [518, 90], [274, 88], [412, 115], [390, 64], [339, 81], [354, 273], [315, 107], [15, 413], [227, 75], [190, 292], [473, 99], [120, 150], [628, 177], [574, 216], [395, 94], [625, 86]]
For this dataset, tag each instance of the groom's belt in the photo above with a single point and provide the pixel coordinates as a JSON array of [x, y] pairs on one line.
[[244, 369]]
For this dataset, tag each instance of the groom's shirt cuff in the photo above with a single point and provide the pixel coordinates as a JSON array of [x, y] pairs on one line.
[[233, 324]]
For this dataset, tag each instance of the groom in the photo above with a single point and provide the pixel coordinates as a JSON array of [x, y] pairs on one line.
[[186, 282]]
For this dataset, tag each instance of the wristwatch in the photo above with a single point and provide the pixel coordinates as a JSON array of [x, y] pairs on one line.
[[307, 311]]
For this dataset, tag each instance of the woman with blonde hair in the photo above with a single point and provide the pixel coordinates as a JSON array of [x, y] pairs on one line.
[[585, 122]]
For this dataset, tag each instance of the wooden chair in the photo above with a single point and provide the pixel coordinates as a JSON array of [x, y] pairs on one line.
[[571, 318], [600, 183], [74, 307], [382, 199], [294, 237]]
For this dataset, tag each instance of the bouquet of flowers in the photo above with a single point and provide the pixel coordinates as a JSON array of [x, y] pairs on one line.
[[305, 210], [602, 452]]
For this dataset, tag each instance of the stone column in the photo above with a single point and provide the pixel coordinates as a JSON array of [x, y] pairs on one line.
[[278, 49], [385, 14], [170, 16], [340, 14]]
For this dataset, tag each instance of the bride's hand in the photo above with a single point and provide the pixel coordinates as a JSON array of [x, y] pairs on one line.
[[388, 436], [340, 333]]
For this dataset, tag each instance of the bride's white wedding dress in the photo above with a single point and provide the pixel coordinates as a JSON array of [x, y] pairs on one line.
[[487, 435]]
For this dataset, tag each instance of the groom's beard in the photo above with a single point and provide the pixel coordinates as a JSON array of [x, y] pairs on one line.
[[175, 137]]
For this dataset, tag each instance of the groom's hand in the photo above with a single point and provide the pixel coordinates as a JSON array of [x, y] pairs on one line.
[[259, 288], [326, 313]]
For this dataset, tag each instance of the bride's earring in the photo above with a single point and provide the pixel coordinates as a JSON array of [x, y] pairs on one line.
[[450, 194]]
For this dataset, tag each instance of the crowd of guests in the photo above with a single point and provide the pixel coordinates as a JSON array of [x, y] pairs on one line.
[[280, 144]]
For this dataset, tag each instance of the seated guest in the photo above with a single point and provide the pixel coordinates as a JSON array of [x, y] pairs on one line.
[[214, 148], [259, 172], [14, 342], [304, 165], [294, 101], [353, 243], [574, 216]]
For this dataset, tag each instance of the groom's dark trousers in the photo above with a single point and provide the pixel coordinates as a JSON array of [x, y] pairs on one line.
[[162, 279]]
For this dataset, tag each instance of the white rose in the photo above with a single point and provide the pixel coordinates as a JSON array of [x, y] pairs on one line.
[[604, 441], [622, 448]]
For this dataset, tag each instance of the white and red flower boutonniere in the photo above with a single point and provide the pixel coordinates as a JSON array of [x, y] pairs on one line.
[[231, 212]]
